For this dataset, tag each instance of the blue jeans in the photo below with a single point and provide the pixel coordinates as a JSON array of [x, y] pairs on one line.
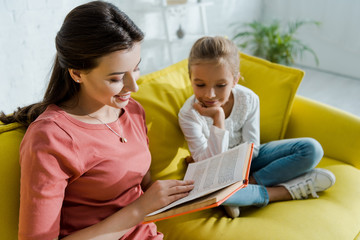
[[277, 162]]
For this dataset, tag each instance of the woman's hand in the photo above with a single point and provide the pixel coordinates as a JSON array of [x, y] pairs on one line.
[[163, 192], [216, 113], [158, 195]]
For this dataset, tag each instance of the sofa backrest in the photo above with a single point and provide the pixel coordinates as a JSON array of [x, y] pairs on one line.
[[162, 94], [10, 138]]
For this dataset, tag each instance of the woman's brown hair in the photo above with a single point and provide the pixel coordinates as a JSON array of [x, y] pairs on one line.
[[89, 32]]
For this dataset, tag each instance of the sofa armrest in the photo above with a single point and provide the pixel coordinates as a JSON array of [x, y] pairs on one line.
[[336, 130]]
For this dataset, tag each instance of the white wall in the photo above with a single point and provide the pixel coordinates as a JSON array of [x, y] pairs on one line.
[[219, 15], [27, 47], [336, 41], [28, 29]]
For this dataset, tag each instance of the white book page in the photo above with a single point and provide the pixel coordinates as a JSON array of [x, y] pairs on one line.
[[213, 174]]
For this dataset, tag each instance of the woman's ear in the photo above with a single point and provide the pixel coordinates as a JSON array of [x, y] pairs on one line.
[[75, 75]]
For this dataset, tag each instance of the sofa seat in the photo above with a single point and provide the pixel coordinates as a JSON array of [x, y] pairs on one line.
[[335, 215]]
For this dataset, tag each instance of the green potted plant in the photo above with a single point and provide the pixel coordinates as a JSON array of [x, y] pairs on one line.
[[272, 42]]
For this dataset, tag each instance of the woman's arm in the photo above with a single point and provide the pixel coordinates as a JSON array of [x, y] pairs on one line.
[[43, 185], [158, 195]]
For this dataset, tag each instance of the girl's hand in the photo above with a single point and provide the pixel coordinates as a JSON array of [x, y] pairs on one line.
[[163, 192], [216, 113]]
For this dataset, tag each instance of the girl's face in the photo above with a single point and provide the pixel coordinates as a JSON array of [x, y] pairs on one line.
[[112, 81], [212, 83]]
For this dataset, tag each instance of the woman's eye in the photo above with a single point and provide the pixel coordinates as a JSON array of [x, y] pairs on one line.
[[115, 80], [137, 69], [200, 85], [221, 85]]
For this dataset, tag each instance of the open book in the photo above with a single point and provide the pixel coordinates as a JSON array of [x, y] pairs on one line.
[[216, 179]]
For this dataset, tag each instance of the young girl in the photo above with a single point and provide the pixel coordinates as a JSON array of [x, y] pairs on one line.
[[85, 158], [222, 114]]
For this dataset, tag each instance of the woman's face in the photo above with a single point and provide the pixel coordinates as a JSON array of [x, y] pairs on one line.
[[113, 80], [212, 83]]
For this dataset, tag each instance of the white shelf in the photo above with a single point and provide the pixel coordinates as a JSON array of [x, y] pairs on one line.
[[168, 8], [188, 5], [156, 8], [169, 42]]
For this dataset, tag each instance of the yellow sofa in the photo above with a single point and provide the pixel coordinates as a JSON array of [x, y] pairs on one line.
[[335, 215]]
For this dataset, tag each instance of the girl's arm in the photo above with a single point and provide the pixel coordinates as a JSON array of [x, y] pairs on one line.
[[216, 113], [251, 128], [203, 142]]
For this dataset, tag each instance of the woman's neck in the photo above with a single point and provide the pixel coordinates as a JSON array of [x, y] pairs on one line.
[[90, 113]]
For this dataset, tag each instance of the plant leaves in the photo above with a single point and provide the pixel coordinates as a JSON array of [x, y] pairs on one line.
[[272, 42]]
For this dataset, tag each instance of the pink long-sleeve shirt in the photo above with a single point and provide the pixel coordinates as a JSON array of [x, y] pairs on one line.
[[75, 174]]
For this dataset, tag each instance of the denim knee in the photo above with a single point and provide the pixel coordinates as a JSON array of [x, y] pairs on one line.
[[312, 152]]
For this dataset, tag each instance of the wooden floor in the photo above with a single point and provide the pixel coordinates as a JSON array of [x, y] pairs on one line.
[[336, 90]]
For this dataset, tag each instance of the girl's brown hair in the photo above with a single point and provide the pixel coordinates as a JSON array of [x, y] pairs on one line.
[[215, 49], [89, 32]]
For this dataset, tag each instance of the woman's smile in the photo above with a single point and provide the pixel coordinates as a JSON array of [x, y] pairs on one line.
[[123, 97]]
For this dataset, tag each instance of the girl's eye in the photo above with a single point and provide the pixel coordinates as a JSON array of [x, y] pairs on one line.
[[200, 85], [221, 85], [137, 69]]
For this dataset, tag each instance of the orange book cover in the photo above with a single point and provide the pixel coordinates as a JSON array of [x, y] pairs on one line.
[[220, 194]]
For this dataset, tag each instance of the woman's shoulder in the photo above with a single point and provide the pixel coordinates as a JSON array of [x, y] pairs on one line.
[[49, 130], [50, 116], [50, 122]]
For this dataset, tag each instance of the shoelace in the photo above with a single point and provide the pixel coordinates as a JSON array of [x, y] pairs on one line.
[[300, 190]]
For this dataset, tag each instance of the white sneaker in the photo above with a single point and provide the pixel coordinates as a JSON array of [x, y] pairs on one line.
[[316, 180], [232, 212]]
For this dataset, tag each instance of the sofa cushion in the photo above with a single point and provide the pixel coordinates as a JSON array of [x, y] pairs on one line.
[[163, 93], [276, 86], [10, 138]]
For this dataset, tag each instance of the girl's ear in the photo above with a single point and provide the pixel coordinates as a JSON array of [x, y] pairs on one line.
[[236, 79], [75, 75]]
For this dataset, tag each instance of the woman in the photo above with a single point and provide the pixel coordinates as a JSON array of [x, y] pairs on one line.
[[84, 157]]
